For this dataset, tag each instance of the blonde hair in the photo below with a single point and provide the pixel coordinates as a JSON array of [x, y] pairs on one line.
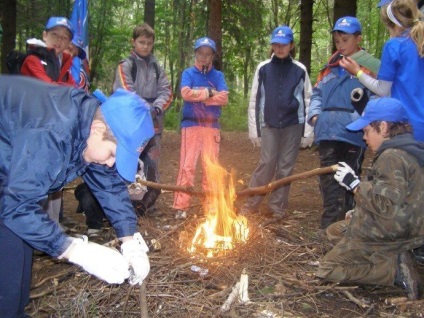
[[407, 14], [108, 135]]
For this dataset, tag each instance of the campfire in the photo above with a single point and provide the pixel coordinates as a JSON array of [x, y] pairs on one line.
[[222, 229]]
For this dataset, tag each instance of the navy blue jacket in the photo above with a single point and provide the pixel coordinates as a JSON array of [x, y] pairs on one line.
[[43, 133]]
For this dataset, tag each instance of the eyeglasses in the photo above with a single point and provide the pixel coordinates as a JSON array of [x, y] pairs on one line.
[[57, 37]]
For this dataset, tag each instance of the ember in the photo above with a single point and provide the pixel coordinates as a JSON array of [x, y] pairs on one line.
[[222, 228]]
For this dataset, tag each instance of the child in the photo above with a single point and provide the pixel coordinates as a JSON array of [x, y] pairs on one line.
[[204, 92], [49, 135], [387, 221], [279, 101], [402, 73], [141, 73], [47, 60], [331, 110]]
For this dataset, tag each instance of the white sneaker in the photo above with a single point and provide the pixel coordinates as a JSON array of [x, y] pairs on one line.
[[181, 215]]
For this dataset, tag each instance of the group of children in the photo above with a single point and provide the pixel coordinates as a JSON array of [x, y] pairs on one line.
[[103, 142]]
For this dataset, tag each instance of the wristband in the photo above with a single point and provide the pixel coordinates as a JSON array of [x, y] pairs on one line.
[[360, 72], [210, 92]]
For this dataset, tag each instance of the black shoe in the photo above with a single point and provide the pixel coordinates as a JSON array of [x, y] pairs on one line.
[[408, 277]]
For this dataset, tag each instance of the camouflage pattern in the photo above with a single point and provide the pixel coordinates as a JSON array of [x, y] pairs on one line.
[[387, 220]]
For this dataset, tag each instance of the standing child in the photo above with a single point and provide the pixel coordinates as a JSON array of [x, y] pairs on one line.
[[204, 92], [402, 73], [79, 68], [278, 105], [48, 60], [387, 222], [141, 73], [331, 110]]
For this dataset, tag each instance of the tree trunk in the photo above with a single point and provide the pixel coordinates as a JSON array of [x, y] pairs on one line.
[[215, 29], [344, 8], [149, 12], [305, 45], [9, 30]]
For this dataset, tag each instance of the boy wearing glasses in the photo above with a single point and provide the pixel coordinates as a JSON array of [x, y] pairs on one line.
[[47, 60]]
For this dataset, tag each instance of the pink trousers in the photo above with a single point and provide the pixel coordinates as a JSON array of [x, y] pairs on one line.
[[195, 141]]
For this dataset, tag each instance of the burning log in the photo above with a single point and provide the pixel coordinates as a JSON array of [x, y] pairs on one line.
[[249, 191]]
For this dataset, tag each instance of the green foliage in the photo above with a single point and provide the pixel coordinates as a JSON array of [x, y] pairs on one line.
[[234, 115]]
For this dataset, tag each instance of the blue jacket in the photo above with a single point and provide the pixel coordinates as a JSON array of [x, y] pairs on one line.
[[331, 102], [197, 113], [43, 133]]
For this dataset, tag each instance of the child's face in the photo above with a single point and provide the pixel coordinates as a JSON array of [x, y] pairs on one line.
[[72, 50], [57, 38], [373, 138], [143, 45], [282, 50], [346, 44], [98, 149], [204, 55]]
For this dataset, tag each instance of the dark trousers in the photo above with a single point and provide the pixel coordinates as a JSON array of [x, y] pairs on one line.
[[150, 157], [88, 204], [15, 271], [336, 199]]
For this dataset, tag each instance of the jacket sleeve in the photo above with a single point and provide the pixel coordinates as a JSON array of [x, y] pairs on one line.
[[164, 91], [123, 78], [32, 67], [316, 102], [36, 159], [220, 99], [251, 111], [309, 130], [112, 194]]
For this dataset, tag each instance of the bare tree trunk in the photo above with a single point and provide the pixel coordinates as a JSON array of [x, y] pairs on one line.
[[215, 29], [149, 12], [306, 19], [8, 18], [344, 8]]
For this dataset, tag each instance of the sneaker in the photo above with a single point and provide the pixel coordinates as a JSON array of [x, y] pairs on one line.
[[93, 232], [181, 215], [408, 277]]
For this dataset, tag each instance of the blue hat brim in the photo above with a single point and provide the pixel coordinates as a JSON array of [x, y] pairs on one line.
[[358, 124], [81, 53], [126, 163], [281, 41]]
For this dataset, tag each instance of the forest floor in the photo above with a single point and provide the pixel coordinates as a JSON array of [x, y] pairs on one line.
[[280, 260]]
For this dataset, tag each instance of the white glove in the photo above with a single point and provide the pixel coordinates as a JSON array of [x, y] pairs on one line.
[[134, 252], [349, 214], [101, 261], [256, 141], [346, 177]]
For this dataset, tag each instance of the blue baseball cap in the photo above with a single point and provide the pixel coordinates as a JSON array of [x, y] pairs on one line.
[[383, 3], [77, 41], [348, 25], [60, 21], [129, 119], [380, 109], [282, 34], [205, 41]]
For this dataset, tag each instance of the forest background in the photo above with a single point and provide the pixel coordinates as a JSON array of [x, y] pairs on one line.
[[241, 29]]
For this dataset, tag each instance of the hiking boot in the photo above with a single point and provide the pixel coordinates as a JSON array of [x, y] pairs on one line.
[[408, 277]]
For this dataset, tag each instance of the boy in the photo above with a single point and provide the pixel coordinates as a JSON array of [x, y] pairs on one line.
[[331, 110], [47, 60], [387, 221], [49, 135], [141, 73], [79, 68]]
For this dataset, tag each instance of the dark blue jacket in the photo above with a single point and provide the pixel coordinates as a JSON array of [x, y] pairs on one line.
[[43, 133]]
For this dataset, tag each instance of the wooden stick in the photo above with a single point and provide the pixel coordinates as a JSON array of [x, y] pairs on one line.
[[246, 192], [283, 181]]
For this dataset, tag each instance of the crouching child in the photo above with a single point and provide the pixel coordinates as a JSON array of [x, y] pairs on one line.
[[387, 222]]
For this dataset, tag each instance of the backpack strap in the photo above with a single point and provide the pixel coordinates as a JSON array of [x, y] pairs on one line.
[[134, 68]]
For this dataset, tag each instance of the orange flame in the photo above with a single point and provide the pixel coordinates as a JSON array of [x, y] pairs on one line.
[[222, 227]]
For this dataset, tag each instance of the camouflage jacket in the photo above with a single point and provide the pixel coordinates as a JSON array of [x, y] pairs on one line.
[[390, 202]]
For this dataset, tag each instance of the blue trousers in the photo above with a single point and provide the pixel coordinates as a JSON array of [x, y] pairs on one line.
[[15, 273]]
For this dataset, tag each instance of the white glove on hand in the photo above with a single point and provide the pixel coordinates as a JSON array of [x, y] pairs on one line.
[[346, 177], [256, 142], [104, 262], [134, 252]]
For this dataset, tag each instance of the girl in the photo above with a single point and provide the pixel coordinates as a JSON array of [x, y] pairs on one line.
[[402, 63], [278, 105]]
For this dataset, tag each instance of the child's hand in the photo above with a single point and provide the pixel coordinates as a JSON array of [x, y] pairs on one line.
[[350, 65]]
